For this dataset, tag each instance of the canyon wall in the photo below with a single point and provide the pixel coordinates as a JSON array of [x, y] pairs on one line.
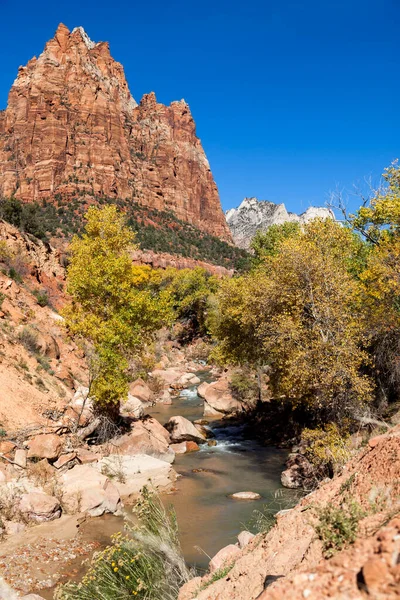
[[72, 128]]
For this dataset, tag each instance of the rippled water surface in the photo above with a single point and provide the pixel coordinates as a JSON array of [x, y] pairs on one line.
[[208, 518]]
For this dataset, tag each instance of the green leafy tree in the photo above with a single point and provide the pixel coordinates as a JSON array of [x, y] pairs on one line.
[[107, 306], [267, 243], [192, 298]]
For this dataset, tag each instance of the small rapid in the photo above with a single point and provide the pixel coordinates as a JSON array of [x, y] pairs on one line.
[[208, 517]]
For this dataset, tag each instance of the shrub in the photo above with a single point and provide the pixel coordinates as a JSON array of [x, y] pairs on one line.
[[243, 384], [44, 364], [29, 339], [41, 296], [145, 563], [5, 254], [327, 449], [338, 526], [13, 273]]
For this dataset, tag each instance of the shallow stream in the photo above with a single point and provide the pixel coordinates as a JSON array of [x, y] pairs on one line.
[[208, 518]]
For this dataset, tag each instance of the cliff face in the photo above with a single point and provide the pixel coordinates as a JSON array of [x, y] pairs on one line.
[[253, 215], [71, 127]]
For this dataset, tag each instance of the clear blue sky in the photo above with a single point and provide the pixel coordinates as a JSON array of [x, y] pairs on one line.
[[291, 98]]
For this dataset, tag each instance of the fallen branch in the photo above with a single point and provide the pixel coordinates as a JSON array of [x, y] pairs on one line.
[[89, 429]]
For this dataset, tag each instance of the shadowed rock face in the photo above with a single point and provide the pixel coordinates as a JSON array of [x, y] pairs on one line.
[[253, 215], [72, 127]]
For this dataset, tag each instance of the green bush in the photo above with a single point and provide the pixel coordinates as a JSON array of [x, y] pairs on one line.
[[13, 274], [338, 526], [45, 364], [243, 384], [41, 296]]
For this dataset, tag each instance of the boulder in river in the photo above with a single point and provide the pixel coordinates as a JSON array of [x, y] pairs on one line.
[[179, 448], [182, 430], [218, 398], [146, 437], [192, 447], [188, 379], [131, 473], [169, 376], [246, 496]]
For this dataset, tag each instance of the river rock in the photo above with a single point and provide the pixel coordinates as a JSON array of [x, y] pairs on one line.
[[246, 496], [224, 556], [146, 437], [299, 472], [202, 388], [47, 445], [130, 474], [244, 538], [132, 407], [211, 443], [166, 398], [188, 379], [139, 389], [169, 376], [206, 432], [85, 489], [182, 430], [192, 447], [218, 398], [179, 448], [39, 507]]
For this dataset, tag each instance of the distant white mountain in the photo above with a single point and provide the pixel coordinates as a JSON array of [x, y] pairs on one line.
[[253, 215]]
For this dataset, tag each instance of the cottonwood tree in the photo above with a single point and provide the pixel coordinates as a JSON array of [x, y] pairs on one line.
[[297, 312], [108, 308]]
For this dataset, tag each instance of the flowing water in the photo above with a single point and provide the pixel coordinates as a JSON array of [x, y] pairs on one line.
[[208, 518]]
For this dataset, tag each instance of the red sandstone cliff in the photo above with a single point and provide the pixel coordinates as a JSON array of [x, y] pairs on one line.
[[72, 127]]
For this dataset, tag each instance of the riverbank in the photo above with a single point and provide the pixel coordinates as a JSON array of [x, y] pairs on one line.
[[91, 479]]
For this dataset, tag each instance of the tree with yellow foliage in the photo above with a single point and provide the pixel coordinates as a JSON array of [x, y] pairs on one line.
[[297, 313], [380, 292], [110, 307]]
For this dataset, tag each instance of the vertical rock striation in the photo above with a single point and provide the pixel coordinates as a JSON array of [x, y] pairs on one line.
[[72, 127]]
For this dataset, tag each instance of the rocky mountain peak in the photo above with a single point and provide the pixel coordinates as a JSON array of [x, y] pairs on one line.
[[73, 129], [253, 215]]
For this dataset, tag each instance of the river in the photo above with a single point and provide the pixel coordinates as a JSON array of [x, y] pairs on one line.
[[208, 518]]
